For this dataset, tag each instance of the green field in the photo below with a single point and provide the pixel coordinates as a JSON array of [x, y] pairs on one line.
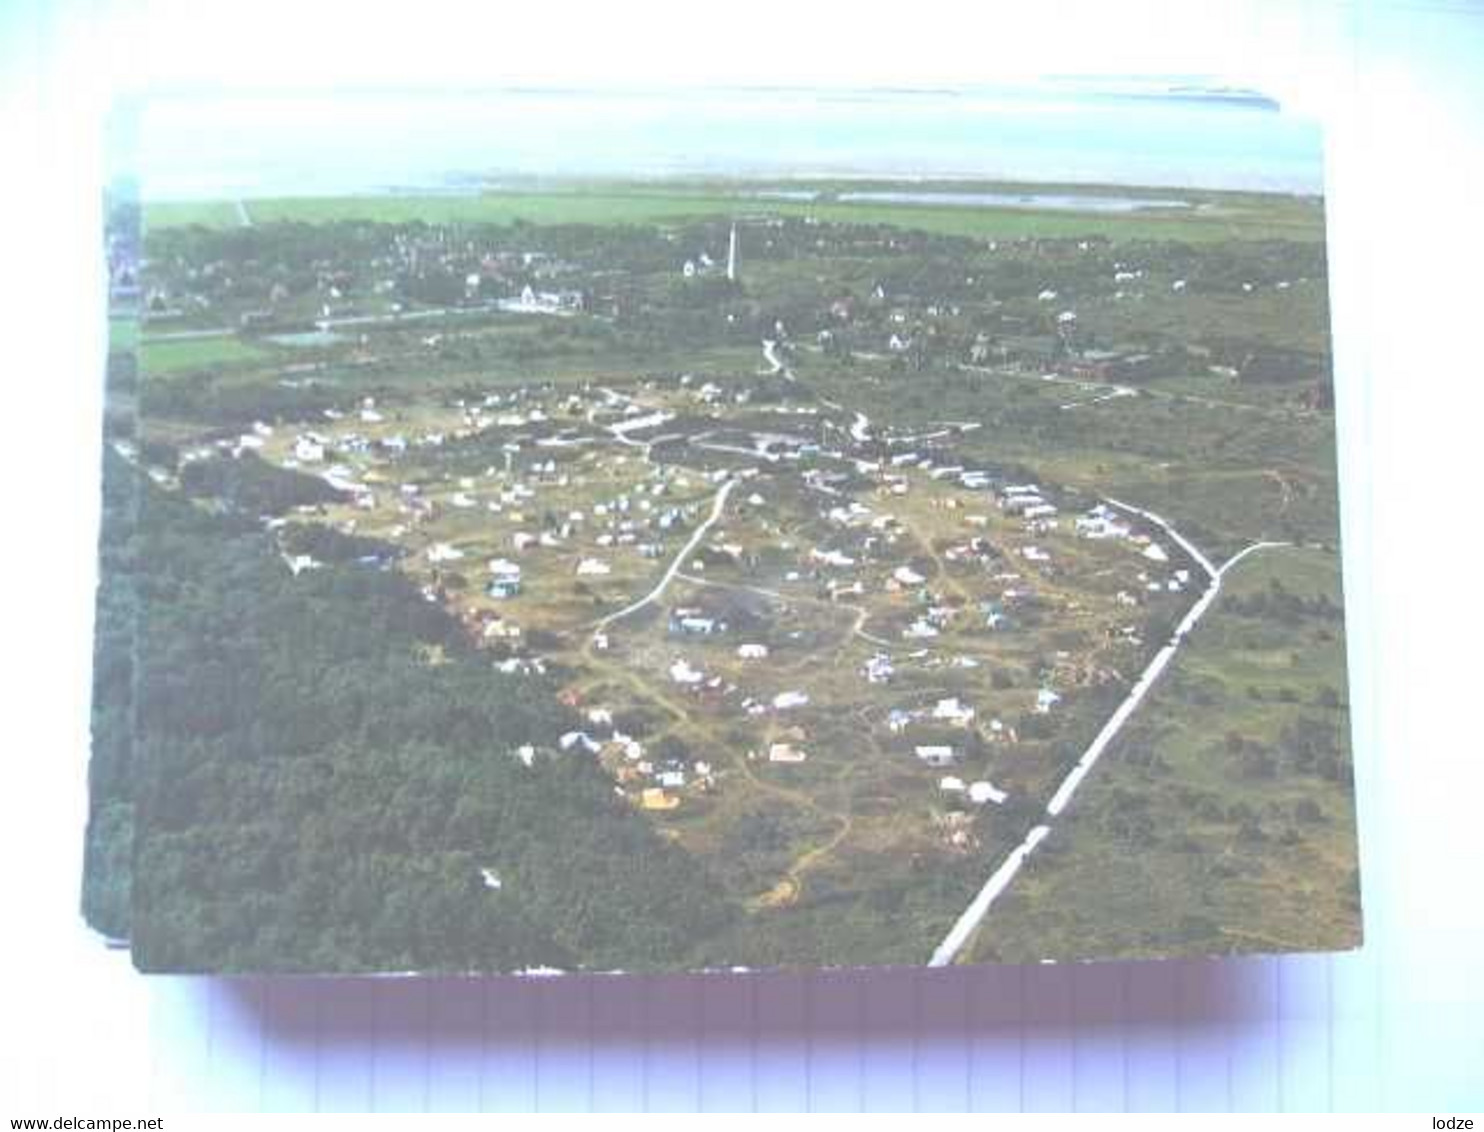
[[162, 358], [208, 214], [1237, 216], [123, 334]]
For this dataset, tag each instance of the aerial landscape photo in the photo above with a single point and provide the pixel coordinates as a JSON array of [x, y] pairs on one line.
[[768, 532]]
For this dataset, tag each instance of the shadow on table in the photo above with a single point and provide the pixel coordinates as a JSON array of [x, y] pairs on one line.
[[1105, 1035]]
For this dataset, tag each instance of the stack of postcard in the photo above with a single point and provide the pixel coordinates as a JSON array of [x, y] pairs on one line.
[[654, 530]]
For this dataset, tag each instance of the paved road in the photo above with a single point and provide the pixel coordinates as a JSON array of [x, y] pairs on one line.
[[1000, 879], [717, 507], [401, 317], [344, 320], [1180, 540], [186, 335]]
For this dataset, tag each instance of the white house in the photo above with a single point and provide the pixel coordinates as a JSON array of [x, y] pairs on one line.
[[954, 712], [982, 792], [308, 450], [831, 557], [1100, 525], [682, 673], [935, 755]]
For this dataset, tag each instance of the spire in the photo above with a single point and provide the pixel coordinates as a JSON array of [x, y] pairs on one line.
[[732, 254]]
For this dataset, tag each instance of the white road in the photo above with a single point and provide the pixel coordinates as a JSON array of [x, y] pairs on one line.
[[401, 316], [1120, 391], [1000, 879], [1184, 543], [187, 335], [717, 507], [1143, 390], [1049, 378], [770, 351], [621, 430], [335, 323]]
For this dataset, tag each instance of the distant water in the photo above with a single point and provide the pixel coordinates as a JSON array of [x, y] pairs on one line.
[[307, 338], [1056, 202], [217, 147]]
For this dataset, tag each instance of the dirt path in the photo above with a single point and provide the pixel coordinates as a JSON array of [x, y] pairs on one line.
[[717, 507], [1283, 486], [791, 885], [862, 615], [944, 577]]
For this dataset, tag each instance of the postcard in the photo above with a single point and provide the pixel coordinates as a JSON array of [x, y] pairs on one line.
[[655, 530]]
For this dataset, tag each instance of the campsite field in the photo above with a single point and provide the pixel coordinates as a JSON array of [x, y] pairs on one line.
[[818, 597], [832, 561]]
